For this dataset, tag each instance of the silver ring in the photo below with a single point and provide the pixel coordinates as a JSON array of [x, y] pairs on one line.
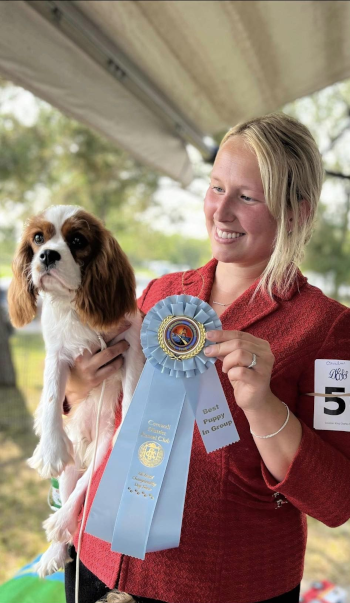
[[253, 362]]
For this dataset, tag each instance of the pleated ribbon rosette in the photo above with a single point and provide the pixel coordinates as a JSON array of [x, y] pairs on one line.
[[139, 504]]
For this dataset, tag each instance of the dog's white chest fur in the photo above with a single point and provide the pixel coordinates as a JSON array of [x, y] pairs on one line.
[[62, 329]]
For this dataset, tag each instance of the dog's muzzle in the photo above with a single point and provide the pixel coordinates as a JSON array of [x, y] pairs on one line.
[[49, 257]]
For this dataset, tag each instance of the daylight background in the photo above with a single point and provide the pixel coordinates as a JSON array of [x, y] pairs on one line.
[[47, 158]]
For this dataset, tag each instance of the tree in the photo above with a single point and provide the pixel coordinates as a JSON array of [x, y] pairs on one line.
[[327, 115], [58, 160], [329, 250], [7, 373]]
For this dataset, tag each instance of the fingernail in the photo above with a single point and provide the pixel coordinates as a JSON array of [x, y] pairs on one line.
[[210, 335], [208, 350]]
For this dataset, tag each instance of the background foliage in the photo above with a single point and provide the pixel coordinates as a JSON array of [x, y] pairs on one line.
[[327, 115]]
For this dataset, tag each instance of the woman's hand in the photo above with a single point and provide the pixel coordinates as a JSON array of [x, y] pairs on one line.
[[264, 411], [90, 369], [236, 349]]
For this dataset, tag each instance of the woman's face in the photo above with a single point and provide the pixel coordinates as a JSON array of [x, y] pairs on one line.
[[240, 226]]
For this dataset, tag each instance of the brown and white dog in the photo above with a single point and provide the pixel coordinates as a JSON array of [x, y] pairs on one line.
[[87, 286]]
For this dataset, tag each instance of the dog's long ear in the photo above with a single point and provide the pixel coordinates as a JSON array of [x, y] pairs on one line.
[[22, 293], [108, 286]]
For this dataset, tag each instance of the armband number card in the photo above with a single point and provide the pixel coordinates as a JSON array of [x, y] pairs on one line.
[[332, 395]]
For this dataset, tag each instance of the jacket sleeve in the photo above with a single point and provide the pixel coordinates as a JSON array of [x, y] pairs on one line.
[[318, 479]]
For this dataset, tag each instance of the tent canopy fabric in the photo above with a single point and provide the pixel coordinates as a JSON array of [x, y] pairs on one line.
[[153, 75]]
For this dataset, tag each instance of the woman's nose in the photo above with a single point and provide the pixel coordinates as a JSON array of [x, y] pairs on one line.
[[225, 211]]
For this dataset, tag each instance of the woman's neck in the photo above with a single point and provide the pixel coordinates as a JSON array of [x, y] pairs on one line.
[[231, 281]]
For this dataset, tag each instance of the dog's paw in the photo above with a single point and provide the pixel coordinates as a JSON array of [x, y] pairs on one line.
[[52, 456], [61, 525], [52, 560], [115, 596]]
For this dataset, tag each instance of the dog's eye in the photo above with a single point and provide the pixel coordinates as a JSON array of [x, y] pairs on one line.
[[78, 241], [38, 238]]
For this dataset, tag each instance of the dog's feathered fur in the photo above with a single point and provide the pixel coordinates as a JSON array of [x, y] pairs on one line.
[[88, 286]]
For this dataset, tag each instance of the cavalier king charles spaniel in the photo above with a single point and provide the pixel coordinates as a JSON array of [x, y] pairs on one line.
[[87, 286]]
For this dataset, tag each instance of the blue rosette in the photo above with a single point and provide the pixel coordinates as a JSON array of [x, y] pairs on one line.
[[139, 504], [183, 306]]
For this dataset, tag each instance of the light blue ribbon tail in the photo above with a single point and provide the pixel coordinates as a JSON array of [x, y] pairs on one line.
[[213, 415], [165, 530], [105, 506], [146, 474], [140, 500]]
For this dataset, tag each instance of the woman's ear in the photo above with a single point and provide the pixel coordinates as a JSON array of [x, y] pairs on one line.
[[304, 212], [22, 293], [108, 288]]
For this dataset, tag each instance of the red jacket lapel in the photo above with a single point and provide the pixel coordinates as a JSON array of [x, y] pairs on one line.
[[245, 310]]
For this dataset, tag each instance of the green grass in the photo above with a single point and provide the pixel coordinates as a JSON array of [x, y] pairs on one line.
[[24, 494], [328, 553], [28, 355]]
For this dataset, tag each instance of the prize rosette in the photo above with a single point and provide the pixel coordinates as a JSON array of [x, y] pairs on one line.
[[138, 506], [173, 335]]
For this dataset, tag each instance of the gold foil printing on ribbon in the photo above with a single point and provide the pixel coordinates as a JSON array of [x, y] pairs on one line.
[[151, 454], [181, 337]]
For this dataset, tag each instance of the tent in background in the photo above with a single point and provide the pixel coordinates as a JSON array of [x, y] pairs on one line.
[[153, 75]]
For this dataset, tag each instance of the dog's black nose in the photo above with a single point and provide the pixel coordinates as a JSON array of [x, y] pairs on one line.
[[49, 257]]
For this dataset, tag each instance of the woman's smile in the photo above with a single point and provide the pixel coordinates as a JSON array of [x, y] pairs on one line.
[[227, 236]]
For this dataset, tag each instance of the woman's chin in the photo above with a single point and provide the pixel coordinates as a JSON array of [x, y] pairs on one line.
[[225, 253]]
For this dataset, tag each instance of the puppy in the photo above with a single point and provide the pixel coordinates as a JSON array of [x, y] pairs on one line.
[[87, 286]]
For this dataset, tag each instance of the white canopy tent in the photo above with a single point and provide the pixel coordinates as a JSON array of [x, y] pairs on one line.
[[153, 75]]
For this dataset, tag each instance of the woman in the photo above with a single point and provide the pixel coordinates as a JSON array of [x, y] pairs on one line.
[[244, 527]]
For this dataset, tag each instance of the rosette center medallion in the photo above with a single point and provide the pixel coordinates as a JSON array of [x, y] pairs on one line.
[[181, 337]]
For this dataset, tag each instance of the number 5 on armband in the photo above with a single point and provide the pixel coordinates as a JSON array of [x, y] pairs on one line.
[[332, 404]]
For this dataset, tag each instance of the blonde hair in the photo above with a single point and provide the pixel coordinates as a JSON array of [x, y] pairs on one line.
[[292, 176]]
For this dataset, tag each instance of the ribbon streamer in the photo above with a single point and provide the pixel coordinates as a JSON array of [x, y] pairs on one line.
[[139, 504]]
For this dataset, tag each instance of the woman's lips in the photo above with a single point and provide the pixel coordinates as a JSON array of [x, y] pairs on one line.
[[227, 236]]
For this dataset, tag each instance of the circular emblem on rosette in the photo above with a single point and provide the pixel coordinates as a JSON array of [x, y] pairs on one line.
[[181, 337], [173, 335]]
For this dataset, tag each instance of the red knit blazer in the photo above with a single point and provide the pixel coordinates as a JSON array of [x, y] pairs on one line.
[[237, 544]]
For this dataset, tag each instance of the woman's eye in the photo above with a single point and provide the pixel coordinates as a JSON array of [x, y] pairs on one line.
[[245, 198], [218, 189], [38, 238], [78, 242]]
